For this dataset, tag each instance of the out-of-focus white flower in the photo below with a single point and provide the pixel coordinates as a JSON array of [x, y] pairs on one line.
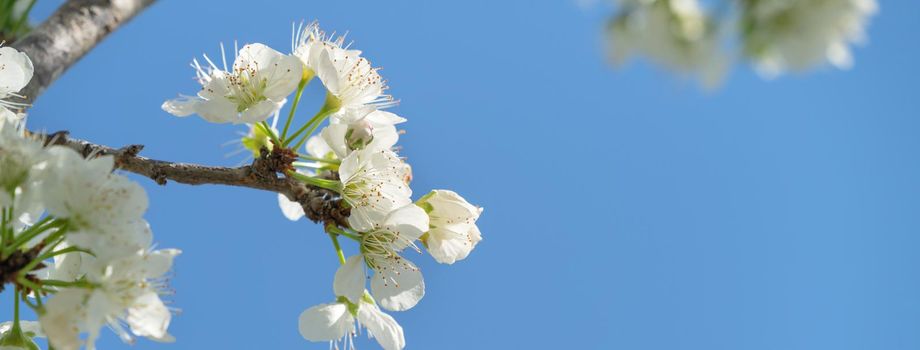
[[104, 210], [124, 291], [397, 283], [258, 85], [674, 33], [800, 34], [19, 157], [453, 232], [373, 184], [374, 131], [15, 73]]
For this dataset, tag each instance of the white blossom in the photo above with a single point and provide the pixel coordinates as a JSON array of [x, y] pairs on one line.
[[800, 34], [336, 322], [104, 211], [375, 130], [351, 81], [453, 232], [373, 184], [20, 157], [397, 283], [674, 33], [15, 73], [124, 291], [257, 86]]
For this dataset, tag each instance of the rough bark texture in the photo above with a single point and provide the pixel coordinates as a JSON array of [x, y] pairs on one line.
[[72, 31], [319, 205]]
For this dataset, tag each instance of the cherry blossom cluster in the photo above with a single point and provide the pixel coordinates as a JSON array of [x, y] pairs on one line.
[[73, 240], [347, 148], [775, 35]]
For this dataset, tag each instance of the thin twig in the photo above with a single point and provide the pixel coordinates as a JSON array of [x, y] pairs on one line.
[[320, 205]]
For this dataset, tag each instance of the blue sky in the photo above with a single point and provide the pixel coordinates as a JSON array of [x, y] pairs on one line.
[[624, 209]]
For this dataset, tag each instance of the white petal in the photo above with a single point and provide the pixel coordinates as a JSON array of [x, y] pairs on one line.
[[149, 317], [410, 222], [382, 327], [283, 76], [398, 290], [334, 135], [260, 111], [350, 279], [292, 210], [379, 117], [62, 317], [318, 147], [158, 262], [182, 106], [218, 110], [450, 244], [15, 70], [326, 322]]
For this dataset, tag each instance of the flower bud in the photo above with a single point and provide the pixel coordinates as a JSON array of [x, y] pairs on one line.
[[359, 134]]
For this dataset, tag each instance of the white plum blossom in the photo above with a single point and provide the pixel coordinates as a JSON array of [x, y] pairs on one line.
[[257, 86], [124, 291], [104, 210], [453, 232], [20, 156], [373, 184], [15, 73], [674, 33], [336, 323], [374, 131], [800, 34], [350, 80], [397, 283]]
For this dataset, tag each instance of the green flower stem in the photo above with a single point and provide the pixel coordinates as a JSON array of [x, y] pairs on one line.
[[342, 232], [31, 233], [338, 248], [315, 159], [332, 105], [24, 17], [308, 75], [65, 284], [16, 311], [7, 9], [321, 183], [34, 287]]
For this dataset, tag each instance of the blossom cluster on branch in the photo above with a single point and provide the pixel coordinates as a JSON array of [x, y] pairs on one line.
[[73, 240], [775, 35], [76, 249], [356, 149]]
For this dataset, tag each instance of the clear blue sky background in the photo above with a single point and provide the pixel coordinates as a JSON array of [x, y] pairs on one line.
[[624, 209]]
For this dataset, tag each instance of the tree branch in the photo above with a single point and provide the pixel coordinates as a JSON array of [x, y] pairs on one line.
[[72, 31], [320, 205]]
